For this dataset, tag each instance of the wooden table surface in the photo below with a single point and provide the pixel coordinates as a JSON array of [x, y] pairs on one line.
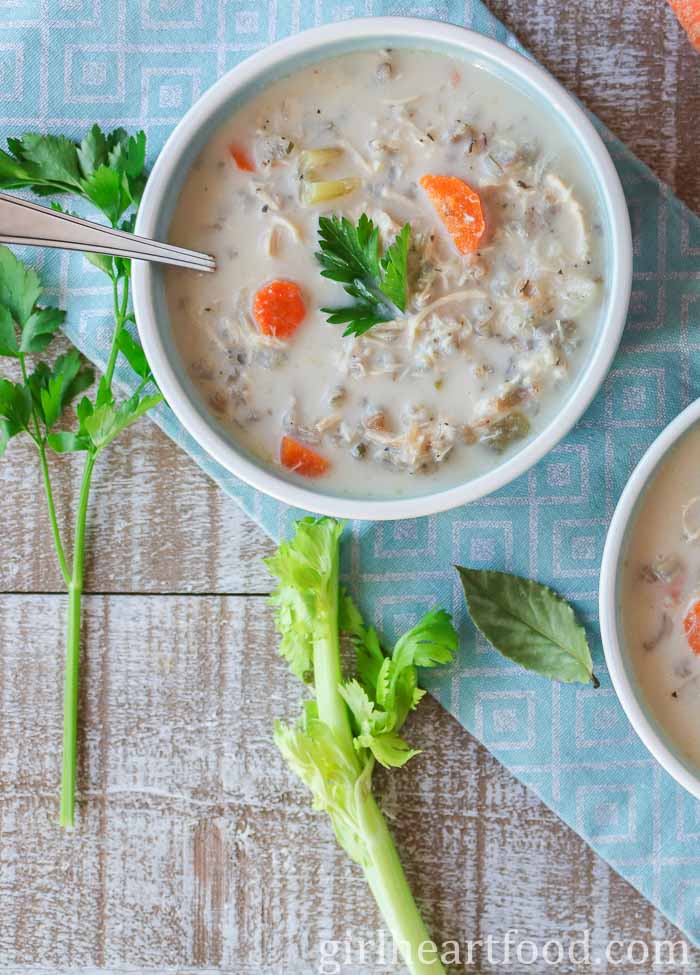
[[195, 849]]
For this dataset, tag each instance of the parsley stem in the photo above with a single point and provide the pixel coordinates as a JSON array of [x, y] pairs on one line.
[[71, 683], [75, 586], [41, 445], [62, 561], [121, 305]]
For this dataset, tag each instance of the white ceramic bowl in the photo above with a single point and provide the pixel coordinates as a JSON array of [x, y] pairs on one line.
[[617, 659], [281, 58]]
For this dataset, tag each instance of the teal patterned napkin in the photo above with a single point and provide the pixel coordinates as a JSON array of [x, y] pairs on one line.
[[66, 63]]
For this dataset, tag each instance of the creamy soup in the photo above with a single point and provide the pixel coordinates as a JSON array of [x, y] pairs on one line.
[[660, 595], [503, 276]]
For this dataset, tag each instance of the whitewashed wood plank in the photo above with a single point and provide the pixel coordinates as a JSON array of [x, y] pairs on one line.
[[157, 523], [629, 62], [196, 850]]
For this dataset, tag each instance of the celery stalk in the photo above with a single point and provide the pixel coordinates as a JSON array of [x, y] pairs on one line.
[[323, 190], [353, 724]]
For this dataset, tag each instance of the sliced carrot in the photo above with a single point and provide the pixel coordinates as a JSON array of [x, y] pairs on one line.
[[279, 308], [301, 459], [242, 158], [688, 12], [459, 208], [691, 625]]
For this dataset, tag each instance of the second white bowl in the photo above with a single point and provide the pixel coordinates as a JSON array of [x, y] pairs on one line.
[[617, 656]]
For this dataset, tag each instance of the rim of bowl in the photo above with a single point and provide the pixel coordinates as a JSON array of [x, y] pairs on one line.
[[593, 371], [613, 642]]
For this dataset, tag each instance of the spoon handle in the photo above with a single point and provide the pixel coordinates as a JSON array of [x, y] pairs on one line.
[[31, 225]]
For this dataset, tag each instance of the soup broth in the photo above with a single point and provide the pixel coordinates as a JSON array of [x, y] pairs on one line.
[[493, 331]]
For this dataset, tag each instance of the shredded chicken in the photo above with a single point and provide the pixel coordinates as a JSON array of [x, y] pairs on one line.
[[402, 101], [282, 221], [271, 244], [690, 519], [451, 299], [420, 444], [355, 153]]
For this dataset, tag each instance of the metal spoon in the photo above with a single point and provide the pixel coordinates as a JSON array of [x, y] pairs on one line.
[[31, 225]]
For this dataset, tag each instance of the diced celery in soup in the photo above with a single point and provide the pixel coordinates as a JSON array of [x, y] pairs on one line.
[[503, 274], [660, 595]]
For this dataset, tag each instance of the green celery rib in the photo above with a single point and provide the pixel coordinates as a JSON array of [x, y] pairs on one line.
[[384, 872]]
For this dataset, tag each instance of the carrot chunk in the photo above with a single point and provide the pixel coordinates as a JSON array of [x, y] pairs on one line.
[[691, 625], [279, 308], [688, 12], [459, 208], [242, 158], [301, 459]]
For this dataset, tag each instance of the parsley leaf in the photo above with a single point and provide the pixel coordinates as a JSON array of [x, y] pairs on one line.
[[52, 157], [104, 262], [108, 169], [350, 254], [53, 388], [106, 190], [395, 268], [66, 442], [15, 404], [8, 336], [359, 317], [39, 328], [108, 420], [19, 291], [134, 355], [92, 151], [19, 287], [7, 431]]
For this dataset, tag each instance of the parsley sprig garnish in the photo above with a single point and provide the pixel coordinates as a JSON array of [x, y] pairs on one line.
[[379, 284], [106, 170]]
